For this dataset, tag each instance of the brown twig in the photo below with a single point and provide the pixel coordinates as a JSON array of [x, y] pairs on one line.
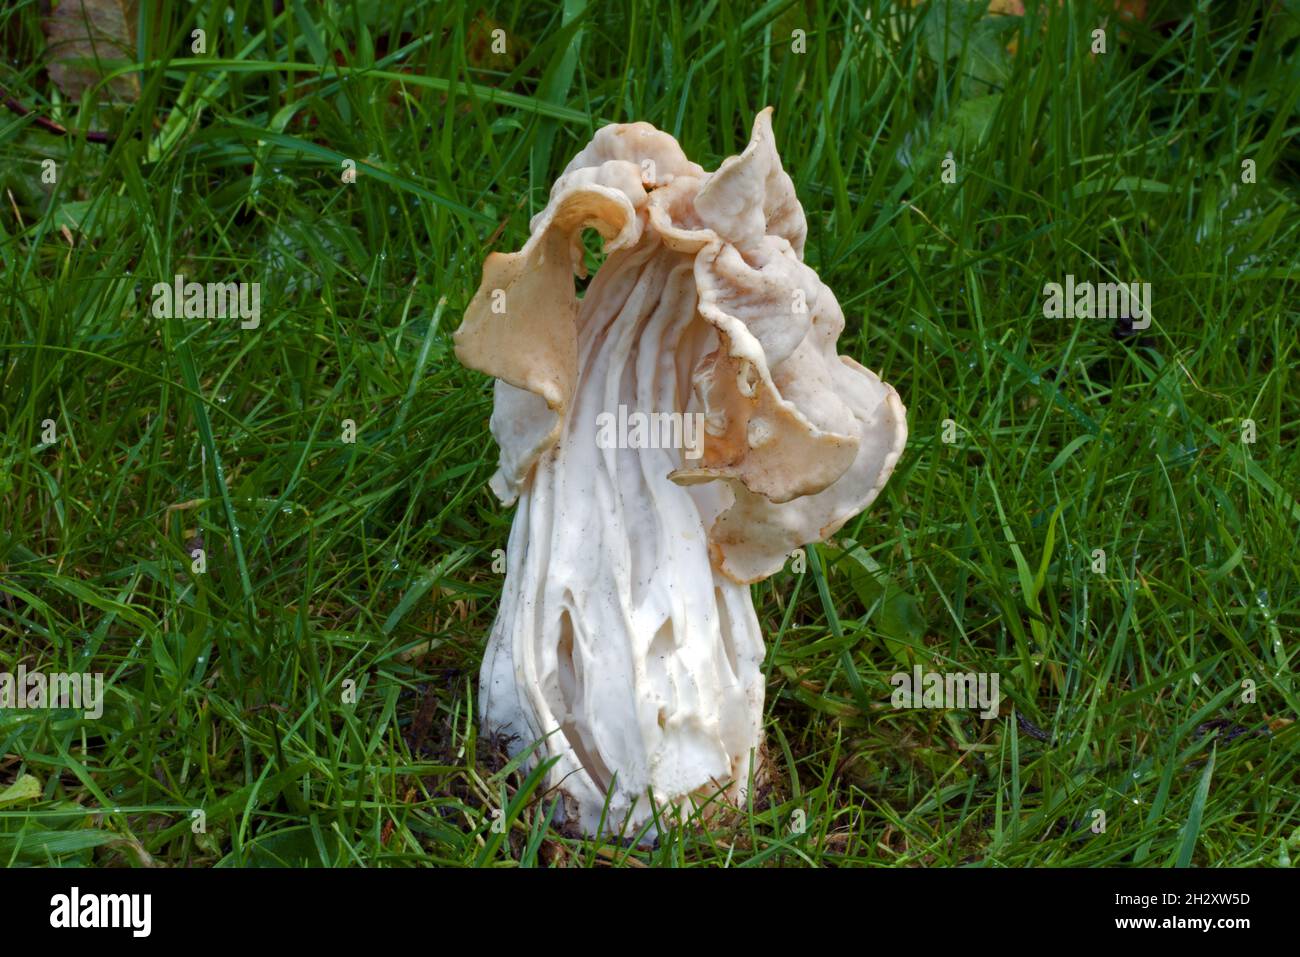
[[92, 136]]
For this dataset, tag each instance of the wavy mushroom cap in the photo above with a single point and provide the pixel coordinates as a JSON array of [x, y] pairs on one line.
[[804, 437]]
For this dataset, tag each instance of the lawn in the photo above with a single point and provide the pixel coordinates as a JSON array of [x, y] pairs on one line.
[[272, 535]]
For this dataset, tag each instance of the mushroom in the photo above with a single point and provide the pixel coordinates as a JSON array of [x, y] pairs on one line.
[[626, 646]]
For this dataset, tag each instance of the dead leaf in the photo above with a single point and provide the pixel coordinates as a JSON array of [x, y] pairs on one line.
[[83, 37], [26, 788]]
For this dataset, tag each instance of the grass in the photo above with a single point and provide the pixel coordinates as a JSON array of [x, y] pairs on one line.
[[312, 693]]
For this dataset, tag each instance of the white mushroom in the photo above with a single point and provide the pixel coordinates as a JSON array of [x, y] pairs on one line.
[[626, 642]]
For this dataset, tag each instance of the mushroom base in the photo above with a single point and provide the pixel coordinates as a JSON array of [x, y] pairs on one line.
[[618, 649]]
